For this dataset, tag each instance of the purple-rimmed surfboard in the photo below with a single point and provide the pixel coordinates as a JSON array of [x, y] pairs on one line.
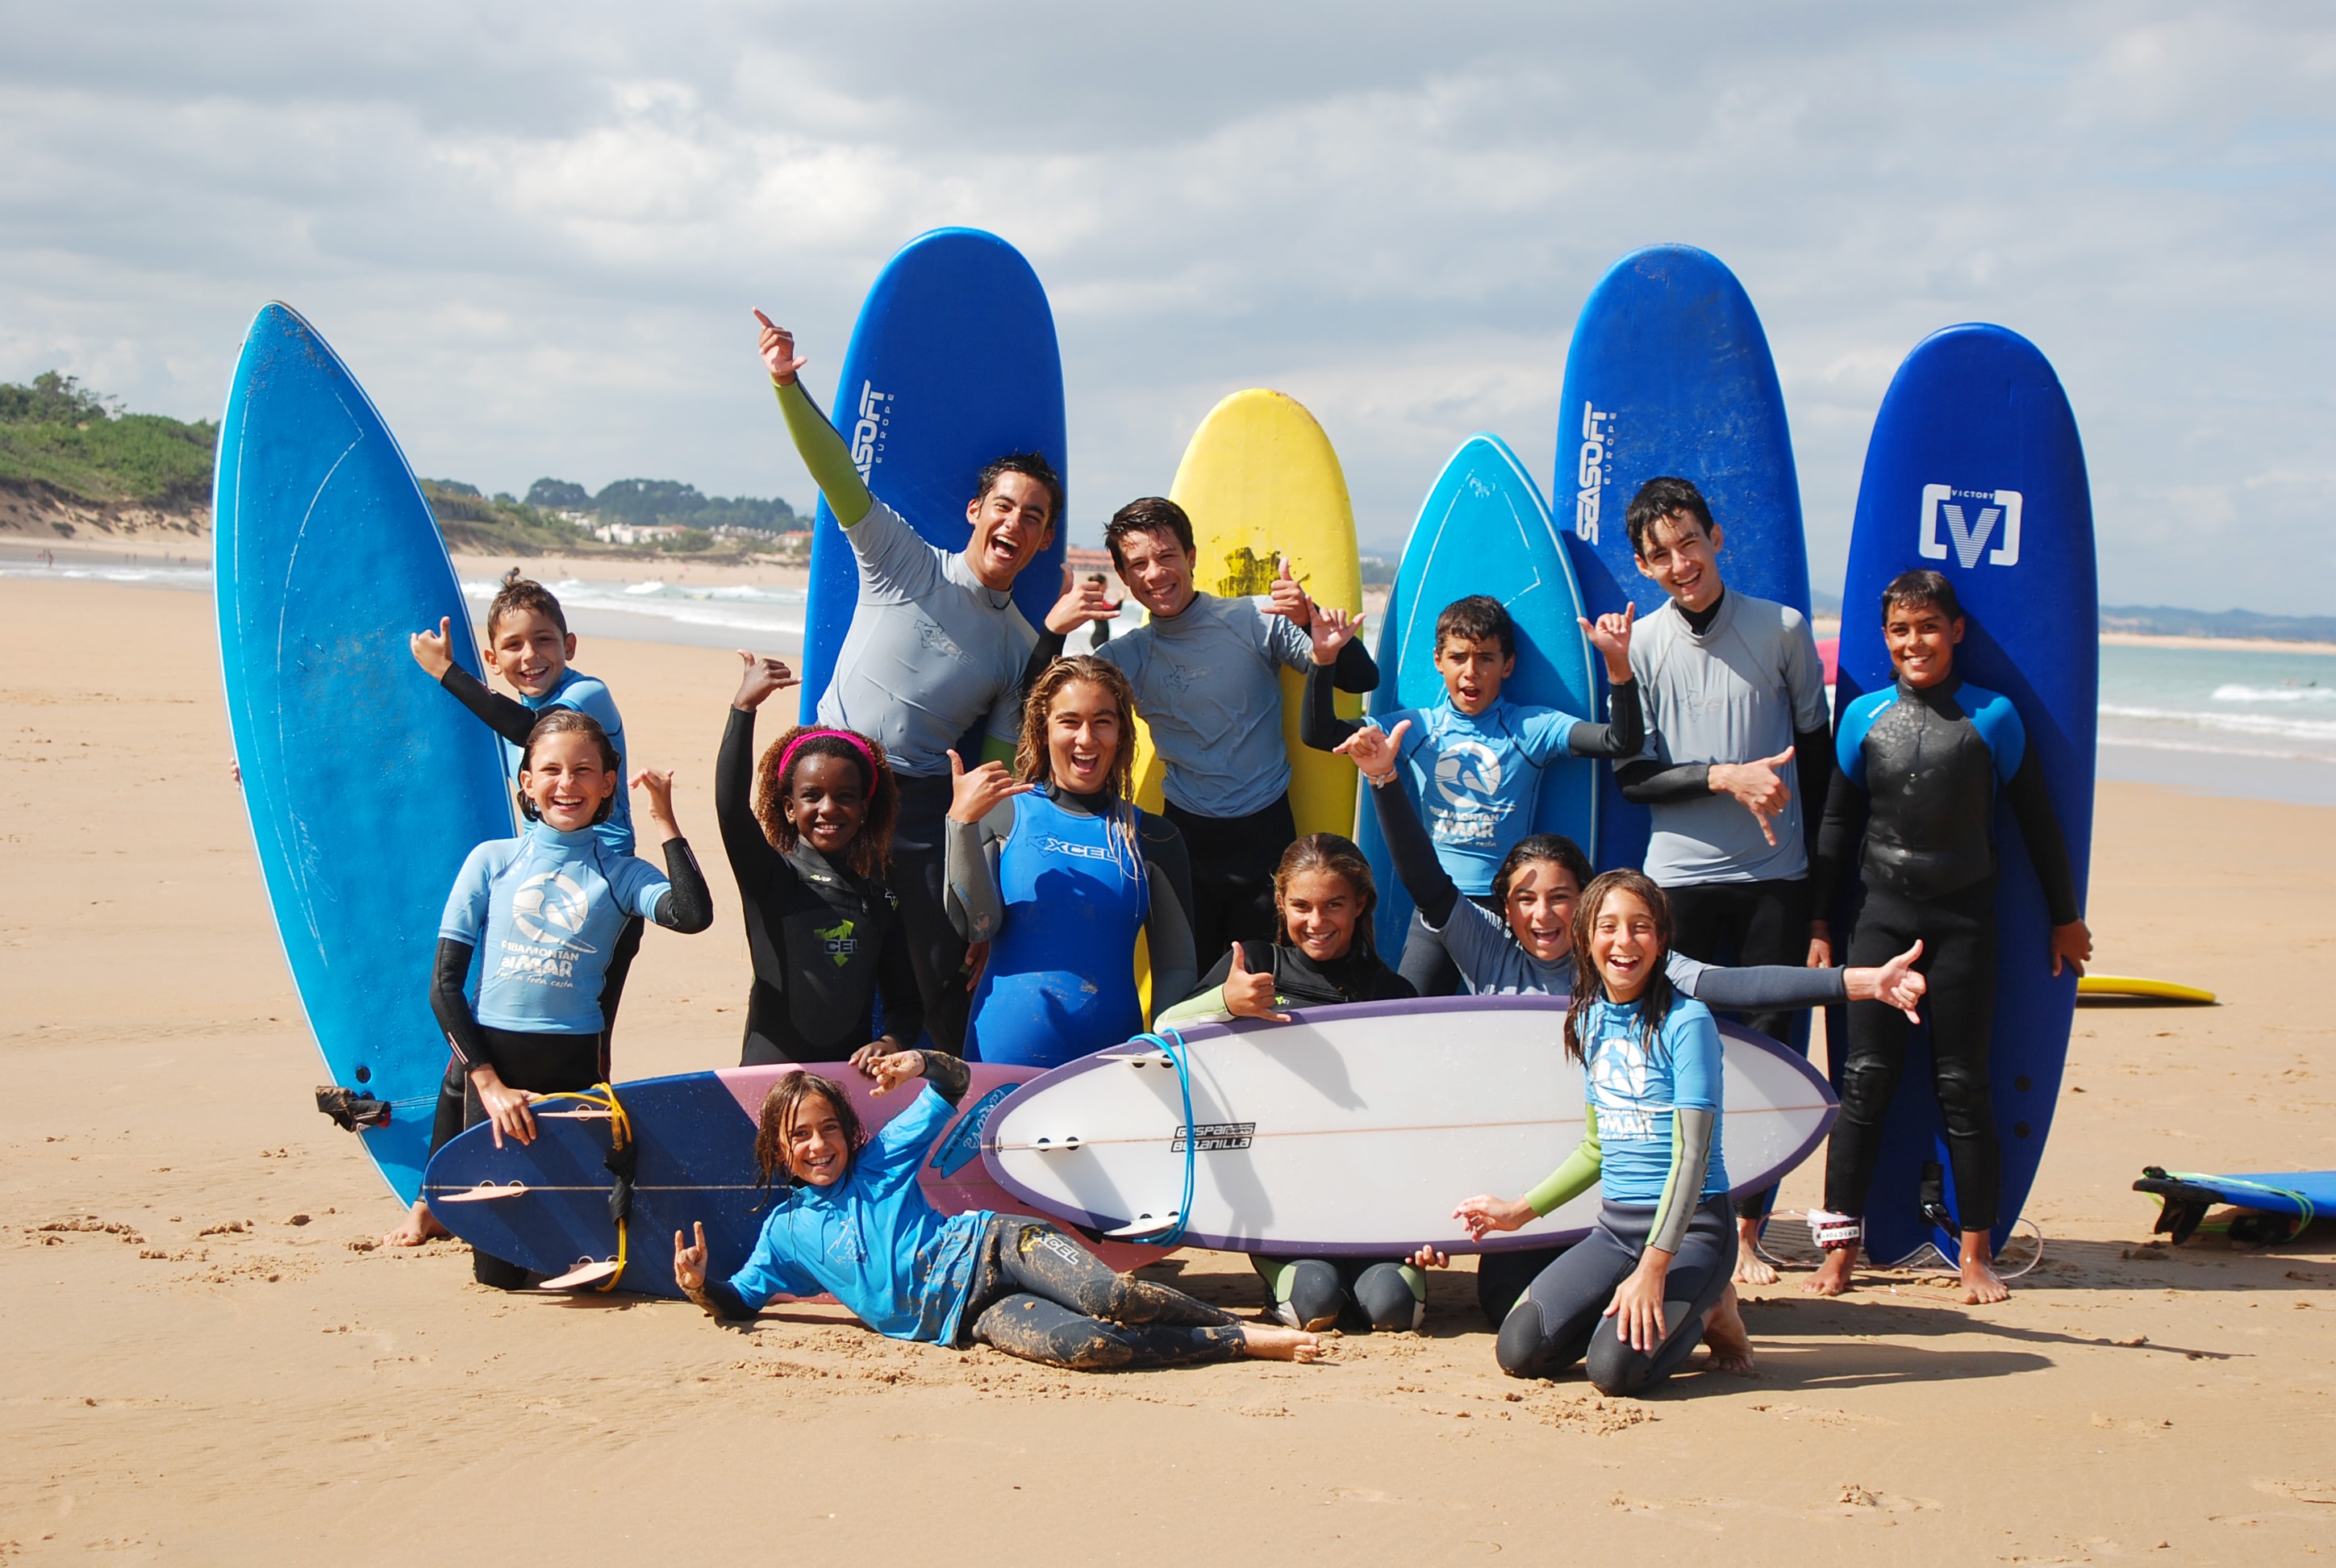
[[545, 1206], [1355, 1130]]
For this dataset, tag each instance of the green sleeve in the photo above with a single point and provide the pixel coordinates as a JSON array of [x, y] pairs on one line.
[[1201, 1006], [993, 749], [1692, 1132], [1577, 1175], [823, 453]]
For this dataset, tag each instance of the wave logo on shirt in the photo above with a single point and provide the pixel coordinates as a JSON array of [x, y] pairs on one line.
[[550, 907], [1621, 1082], [839, 941], [1468, 774], [1971, 516]]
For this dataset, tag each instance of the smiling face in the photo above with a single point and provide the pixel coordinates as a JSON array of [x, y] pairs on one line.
[[826, 801], [1922, 641], [528, 649], [1157, 570], [817, 1150], [1626, 944], [1321, 910], [565, 780], [1682, 560], [1013, 521], [1082, 737], [1473, 670], [1542, 896]]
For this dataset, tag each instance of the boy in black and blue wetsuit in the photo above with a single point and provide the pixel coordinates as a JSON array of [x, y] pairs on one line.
[[1921, 763]]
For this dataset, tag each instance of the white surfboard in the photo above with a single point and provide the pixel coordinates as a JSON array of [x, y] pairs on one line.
[[1355, 1129]]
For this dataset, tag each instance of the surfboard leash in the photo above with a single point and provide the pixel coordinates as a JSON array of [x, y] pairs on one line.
[[623, 1163], [1172, 1044]]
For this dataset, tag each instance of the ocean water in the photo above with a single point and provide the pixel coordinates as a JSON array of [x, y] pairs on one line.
[[2222, 721]]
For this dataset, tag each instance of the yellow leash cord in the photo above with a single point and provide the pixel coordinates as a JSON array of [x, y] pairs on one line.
[[620, 1138]]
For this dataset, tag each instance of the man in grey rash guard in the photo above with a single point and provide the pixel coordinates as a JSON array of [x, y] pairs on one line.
[[1207, 677], [1739, 757], [935, 644]]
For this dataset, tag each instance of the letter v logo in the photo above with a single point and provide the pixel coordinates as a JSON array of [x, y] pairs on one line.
[[1970, 540]]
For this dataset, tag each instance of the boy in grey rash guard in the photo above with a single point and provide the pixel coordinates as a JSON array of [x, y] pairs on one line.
[[936, 645], [1207, 677]]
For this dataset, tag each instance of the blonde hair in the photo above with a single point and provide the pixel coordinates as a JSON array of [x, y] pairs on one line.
[[1034, 760]]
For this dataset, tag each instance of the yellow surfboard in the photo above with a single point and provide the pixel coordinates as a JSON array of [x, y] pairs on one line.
[[2128, 985]]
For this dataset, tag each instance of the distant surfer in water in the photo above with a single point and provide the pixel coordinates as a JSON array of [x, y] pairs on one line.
[[809, 831], [1636, 1296], [936, 648], [1206, 670], [1922, 763], [1322, 955], [1476, 758], [542, 912], [1057, 871], [853, 1222]]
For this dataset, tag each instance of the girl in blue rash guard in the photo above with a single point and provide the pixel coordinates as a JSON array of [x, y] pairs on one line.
[[542, 912], [853, 1222], [1634, 1297], [1059, 871]]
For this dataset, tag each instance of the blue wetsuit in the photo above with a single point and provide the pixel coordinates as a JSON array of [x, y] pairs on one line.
[[1921, 769], [1073, 880]]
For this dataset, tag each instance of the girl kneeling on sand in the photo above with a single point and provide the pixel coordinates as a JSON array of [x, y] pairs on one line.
[[1323, 899], [854, 1224], [1637, 1294]]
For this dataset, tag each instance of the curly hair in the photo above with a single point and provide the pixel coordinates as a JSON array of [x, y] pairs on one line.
[[1339, 857], [569, 721], [1590, 986], [870, 850], [783, 1104]]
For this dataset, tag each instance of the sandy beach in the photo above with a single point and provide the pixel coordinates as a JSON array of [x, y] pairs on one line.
[[209, 1361]]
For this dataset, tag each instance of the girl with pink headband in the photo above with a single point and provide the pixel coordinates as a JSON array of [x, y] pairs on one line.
[[809, 830]]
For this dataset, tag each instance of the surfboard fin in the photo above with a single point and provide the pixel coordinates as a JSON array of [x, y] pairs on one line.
[[484, 1193], [588, 1271], [1138, 1058], [2185, 1203], [1145, 1225], [352, 1109]]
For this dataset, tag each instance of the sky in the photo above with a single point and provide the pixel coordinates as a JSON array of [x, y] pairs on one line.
[[534, 232]]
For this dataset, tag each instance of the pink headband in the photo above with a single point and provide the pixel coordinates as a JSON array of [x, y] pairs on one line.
[[787, 757]]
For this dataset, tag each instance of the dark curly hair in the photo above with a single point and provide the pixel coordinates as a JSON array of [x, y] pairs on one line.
[[783, 1104], [870, 850]]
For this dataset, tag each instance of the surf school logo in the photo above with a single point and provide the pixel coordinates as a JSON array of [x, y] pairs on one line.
[[551, 908], [840, 943], [1971, 517], [1591, 473], [867, 435], [1468, 774]]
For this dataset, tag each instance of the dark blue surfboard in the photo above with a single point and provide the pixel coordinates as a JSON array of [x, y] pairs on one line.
[[1975, 470], [1484, 529], [366, 784], [953, 363], [1670, 374]]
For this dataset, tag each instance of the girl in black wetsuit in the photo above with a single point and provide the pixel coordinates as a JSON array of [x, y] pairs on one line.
[[1323, 898], [809, 850]]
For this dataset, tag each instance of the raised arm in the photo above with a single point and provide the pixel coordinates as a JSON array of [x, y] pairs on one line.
[[733, 765], [1423, 876], [1319, 725], [435, 652], [982, 814], [823, 450]]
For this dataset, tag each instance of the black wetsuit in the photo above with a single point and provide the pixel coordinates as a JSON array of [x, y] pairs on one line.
[[823, 942], [1920, 771]]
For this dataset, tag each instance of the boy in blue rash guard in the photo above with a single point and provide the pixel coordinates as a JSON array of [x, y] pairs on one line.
[[1921, 764], [1206, 671], [1635, 1297], [1477, 759], [853, 1222], [1060, 873], [542, 913]]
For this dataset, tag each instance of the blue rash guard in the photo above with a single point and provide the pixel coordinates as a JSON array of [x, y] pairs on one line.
[[1478, 777], [874, 1241], [544, 910], [1634, 1092], [591, 697], [1061, 977]]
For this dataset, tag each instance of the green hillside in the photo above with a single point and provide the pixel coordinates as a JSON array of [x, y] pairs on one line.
[[59, 433]]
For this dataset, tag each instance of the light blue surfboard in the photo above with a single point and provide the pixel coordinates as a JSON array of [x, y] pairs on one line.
[[952, 364], [1484, 529], [1975, 470], [365, 783], [1670, 374]]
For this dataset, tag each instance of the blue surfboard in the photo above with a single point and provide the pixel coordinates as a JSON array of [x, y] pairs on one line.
[[365, 783], [1484, 529], [952, 364], [1670, 374], [1975, 470]]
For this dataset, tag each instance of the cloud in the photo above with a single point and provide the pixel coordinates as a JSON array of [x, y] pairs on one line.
[[535, 234]]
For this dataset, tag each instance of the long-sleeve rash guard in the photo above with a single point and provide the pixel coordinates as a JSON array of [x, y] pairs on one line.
[[546, 909], [1491, 962], [1298, 982], [823, 942], [1479, 775], [512, 717]]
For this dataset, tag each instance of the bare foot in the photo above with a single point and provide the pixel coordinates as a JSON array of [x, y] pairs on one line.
[[1982, 1284], [1724, 1336], [1272, 1342], [419, 1225], [1751, 1268], [1832, 1278]]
